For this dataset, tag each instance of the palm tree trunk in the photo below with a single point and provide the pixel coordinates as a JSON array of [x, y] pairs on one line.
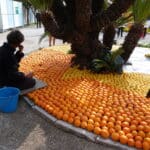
[[111, 14], [51, 25], [109, 35], [131, 40], [83, 31], [83, 14], [81, 40]]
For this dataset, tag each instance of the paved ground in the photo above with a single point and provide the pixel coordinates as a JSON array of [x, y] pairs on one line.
[[26, 130], [32, 36]]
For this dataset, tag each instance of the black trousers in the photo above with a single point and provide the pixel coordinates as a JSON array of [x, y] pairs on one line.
[[22, 85]]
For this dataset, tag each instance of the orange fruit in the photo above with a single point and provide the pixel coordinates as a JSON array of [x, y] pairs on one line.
[[77, 117], [147, 139], [129, 135], [60, 114], [127, 119], [97, 130], [138, 144], [143, 123], [123, 139], [92, 117], [105, 127], [72, 114], [70, 120], [134, 133], [112, 119], [142, 134], [120, 118], [115, 136], [131, 142], [125, 124], [91, 121], [104, 133], [148, 135], [117, 127], [65, 117], [90, 127], [111, 130], [96, 124], [110, 124], [97, 119], [147, 128], [84, 118], [126, 130], [103, 123], [140, 128], [138, 138], [121, 132], [133, 127], [84, 124], [105, 118], [146, 145], [135, 122], [77, 123]]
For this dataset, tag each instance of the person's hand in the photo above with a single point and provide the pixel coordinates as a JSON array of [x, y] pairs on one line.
[[20, 48], [29, 75]]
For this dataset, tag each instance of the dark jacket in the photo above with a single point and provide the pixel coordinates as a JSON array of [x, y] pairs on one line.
[[9, 64]]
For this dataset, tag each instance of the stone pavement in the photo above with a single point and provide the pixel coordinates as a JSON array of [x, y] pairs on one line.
[[26, 130]]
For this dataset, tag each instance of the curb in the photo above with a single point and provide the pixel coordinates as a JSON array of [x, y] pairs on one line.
[[75, 130]]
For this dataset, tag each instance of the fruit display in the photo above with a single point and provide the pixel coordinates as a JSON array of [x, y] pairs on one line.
[[109, 105]]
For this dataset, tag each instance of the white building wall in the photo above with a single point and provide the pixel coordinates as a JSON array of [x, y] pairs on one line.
[[18, 14], [11, 14], [6, 14]]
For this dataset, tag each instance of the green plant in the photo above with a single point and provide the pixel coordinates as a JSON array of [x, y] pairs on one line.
[[42, 5], [64, 20], [110, 62], [141, 10]]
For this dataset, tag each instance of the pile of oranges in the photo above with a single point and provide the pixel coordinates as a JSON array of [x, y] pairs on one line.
[[97, 103], [135, 82]]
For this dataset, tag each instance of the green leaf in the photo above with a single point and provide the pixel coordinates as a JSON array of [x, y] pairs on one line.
[[141, 10], [42, 5], [116, 53]]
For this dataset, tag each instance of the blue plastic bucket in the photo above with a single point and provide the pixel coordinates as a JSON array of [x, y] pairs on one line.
[[9, 99]]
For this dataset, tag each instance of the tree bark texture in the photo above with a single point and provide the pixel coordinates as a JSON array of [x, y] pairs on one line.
[[131, 40], [109, 35], [111, 14], [79, 23]]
